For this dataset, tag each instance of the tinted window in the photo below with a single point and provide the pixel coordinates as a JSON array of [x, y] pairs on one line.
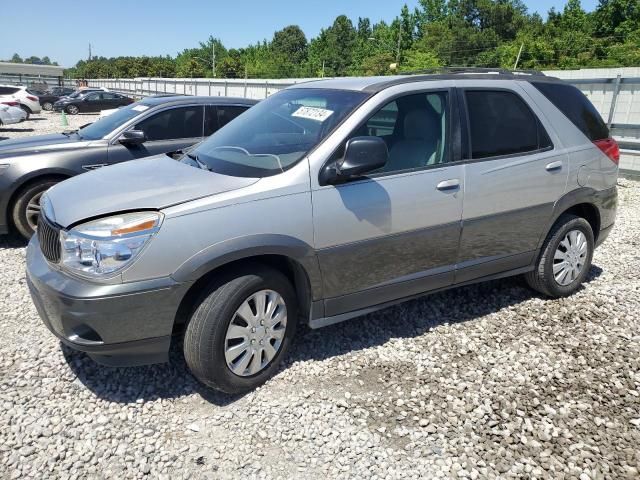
[[109, 96], [414, 128], [183, 122], [500, 123], [218, 117], [8, 90], [577, 107], [94, 97]]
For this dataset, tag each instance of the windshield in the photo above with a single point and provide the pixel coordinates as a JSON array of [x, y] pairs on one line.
[[106, 125], [276, 133]]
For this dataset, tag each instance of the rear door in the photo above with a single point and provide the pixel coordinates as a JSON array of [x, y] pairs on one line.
[[514, 173], [93, 102], [169, 130]]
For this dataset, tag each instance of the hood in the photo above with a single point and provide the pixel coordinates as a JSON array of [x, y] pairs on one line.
[[149, 184], [28, 145]]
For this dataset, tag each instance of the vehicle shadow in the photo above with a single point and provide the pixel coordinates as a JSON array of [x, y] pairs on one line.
[[17, 130], [406, 320]]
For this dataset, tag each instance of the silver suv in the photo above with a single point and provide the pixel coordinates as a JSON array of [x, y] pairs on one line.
[[326, 201]]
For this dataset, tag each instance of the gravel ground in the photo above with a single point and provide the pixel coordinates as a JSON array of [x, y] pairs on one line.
[[479, 382], [45, 122]]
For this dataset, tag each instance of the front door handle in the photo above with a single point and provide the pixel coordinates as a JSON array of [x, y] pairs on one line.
[[447, 185], [554, 166]]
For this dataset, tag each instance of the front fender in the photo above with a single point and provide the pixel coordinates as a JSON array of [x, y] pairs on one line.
[[234, 249]]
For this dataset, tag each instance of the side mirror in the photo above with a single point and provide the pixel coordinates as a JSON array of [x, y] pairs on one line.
[[362, 155], [132, 137]]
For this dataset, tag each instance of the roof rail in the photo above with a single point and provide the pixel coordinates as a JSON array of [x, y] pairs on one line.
[[462, 69]]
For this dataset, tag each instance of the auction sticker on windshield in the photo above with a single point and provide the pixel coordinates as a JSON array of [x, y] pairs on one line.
[[140, 108], [313, 113]]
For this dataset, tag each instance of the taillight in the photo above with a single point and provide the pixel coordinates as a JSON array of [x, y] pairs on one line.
[[11, 104], [33, 99], [610, 148]]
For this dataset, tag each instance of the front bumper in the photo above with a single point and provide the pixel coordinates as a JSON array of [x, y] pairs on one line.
[[117, 325]]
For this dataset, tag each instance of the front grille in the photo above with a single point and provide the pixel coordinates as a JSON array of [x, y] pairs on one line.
[[49, 237]]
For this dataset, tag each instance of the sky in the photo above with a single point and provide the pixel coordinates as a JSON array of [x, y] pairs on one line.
[[63, 29]]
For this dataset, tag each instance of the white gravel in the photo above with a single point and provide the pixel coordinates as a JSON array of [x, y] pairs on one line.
[[44, 123], [479, 382]]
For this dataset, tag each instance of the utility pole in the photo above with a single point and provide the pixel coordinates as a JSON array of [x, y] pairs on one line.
[[89, 51], [213, 58], [399, 40], [322, 68], [515, 65]]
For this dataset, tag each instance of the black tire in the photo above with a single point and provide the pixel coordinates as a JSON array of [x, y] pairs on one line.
[[204, 339], [27, 110], [542, 278], [72, 110], [48, 106], [21, 214]]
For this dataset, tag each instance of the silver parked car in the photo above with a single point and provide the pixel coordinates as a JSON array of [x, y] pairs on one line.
[[325, 201]]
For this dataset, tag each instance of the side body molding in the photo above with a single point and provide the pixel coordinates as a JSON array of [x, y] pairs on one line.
[[239, 248]]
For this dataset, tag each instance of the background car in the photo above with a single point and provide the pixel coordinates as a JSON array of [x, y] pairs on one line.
[[10, 114], [156, 125], [28, 102], [91, 102], [61, 91], [46, 99]]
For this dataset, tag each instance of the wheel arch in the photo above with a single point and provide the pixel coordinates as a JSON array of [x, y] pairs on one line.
[[293, 258], [584, 202], [28, 180]]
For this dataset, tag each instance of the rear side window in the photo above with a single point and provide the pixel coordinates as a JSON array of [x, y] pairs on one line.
[[577, 108], [501, 123], [8, 90]]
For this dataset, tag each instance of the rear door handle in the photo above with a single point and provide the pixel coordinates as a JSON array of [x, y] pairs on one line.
[[553, 166], [446, 185]]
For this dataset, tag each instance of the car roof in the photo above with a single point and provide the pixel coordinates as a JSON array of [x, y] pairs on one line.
[[377, 84], [178, 99]]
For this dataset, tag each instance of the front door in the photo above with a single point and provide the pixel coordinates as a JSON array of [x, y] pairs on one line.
[[167, 131], [394, 233]]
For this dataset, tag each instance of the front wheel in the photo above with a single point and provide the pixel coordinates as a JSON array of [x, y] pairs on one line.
[[565, 258], [48, 106], [239, 333], [26, 207], [72, 110]]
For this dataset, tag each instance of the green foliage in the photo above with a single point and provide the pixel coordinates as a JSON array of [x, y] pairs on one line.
[[485, 33]]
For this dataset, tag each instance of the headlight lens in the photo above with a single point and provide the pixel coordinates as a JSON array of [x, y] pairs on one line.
[[105, 246]]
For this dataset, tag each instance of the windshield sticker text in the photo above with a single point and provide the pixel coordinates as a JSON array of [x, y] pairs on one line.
[[313, 113]]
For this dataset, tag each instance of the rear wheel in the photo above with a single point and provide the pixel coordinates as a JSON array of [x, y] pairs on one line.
[[565, 259], [48, 106], [26, 207], [26, 110], [241, 330], [72, 110]]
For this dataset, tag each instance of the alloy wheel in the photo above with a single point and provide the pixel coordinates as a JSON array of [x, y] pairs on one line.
[[33, 210]]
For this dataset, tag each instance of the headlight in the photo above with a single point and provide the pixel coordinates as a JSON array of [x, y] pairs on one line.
[[105, 246]]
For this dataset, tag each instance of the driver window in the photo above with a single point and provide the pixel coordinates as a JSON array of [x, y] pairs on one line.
[[414, 128], [94, 97]]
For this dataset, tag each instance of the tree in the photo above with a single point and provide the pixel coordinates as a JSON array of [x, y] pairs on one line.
[[291, 43], [16, 58]]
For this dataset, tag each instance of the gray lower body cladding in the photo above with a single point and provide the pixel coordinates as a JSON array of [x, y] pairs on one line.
[[117, 325]]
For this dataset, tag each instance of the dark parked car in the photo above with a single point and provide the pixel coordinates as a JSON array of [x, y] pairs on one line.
[[61, 91], [29, 166], [49, 97], [91, 102]]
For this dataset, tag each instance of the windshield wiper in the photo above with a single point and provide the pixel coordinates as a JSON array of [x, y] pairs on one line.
[[201, 165]]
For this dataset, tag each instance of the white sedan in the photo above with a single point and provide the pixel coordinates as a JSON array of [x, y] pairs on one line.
[[10, 114]]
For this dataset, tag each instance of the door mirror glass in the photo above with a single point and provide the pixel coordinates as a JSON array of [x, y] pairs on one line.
[[133, 137], [362, 155]]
